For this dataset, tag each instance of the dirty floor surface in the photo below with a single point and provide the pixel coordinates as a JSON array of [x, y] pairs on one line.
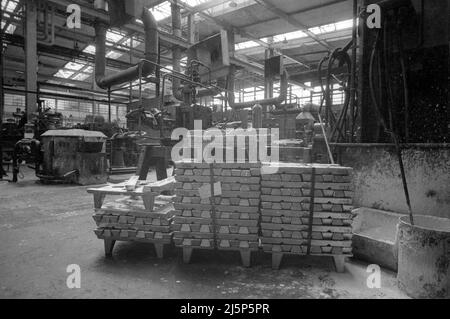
[[45, 228]]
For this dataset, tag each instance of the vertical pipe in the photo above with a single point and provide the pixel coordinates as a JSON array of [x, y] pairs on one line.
[[109, 105], [176, 51], [268, 82], [140, 84], [131, 62], [31, 62], [158, 71], [353, 73], [191, 28]]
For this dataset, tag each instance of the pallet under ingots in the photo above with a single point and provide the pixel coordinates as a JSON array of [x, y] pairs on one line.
[[130, 219], [225, 221], [277, 212], [306, 209]]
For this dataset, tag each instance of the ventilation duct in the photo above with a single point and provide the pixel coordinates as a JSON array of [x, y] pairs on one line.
[[132, 73]]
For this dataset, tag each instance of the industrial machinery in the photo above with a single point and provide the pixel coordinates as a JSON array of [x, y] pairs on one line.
[[154, 119], [73, 156], [403, 76], [11, 132], [20, 141], [70, 156]]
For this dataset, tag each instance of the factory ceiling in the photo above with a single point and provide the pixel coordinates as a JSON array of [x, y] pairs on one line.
[[303, 31]]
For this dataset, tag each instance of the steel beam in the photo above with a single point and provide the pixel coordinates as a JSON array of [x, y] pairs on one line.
[[292, 21], [104, 17], [305, 10], [227, 26]]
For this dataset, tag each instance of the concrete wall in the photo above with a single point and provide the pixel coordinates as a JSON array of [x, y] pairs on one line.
[[378, 182]]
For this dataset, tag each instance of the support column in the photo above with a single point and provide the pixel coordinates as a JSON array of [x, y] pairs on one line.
[[2, 100], [191, 29], [31, 60], [2, 172]]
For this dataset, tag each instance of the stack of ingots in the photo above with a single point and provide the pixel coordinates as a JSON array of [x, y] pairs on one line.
[[217, 205], [127, 219], [293, 219]]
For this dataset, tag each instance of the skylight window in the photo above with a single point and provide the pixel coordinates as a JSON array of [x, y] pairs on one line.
[[246, 45], [89, 49], [113, 36], [161, 11], [341, 25], [65, 74], [332, 27], [74, 66], [346, 24], [80, 77], [286, 36], [10, 29], [88, 69], [194, 3], [113, 54], [231, 6], [8, 6], [136, 43]]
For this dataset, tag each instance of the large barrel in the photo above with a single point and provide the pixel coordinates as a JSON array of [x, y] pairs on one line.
[[424, 257]]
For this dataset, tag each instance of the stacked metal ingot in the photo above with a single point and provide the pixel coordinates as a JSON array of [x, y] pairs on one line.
[[286, 201], [127, 219], [229, 219]]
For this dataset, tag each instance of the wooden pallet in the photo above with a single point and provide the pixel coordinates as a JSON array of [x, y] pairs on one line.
[[289, 221], [245, 252], [147, 191], [339, 260], [128, 220], [109, 242]]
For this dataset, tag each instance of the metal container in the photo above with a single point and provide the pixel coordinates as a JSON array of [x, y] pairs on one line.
[[73, 156], [424, 256]]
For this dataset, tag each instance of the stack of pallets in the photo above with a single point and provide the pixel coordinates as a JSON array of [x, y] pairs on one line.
[[132, 219], [217, 206], [306, 209]]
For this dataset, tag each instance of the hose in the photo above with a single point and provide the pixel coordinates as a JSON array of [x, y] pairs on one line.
[[383, 122]]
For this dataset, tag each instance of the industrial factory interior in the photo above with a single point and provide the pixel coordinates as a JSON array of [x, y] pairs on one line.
[[224, 149]]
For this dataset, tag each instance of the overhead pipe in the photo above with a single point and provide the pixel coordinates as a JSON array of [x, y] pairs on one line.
[[221, 86], [134, 72], [271, 101]]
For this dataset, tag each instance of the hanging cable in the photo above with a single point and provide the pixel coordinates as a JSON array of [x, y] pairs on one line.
[[389, 129]]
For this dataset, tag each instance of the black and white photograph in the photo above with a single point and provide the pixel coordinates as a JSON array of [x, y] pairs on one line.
[[220, 155]]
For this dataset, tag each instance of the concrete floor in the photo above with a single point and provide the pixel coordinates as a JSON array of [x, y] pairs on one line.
[[45, 228]]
